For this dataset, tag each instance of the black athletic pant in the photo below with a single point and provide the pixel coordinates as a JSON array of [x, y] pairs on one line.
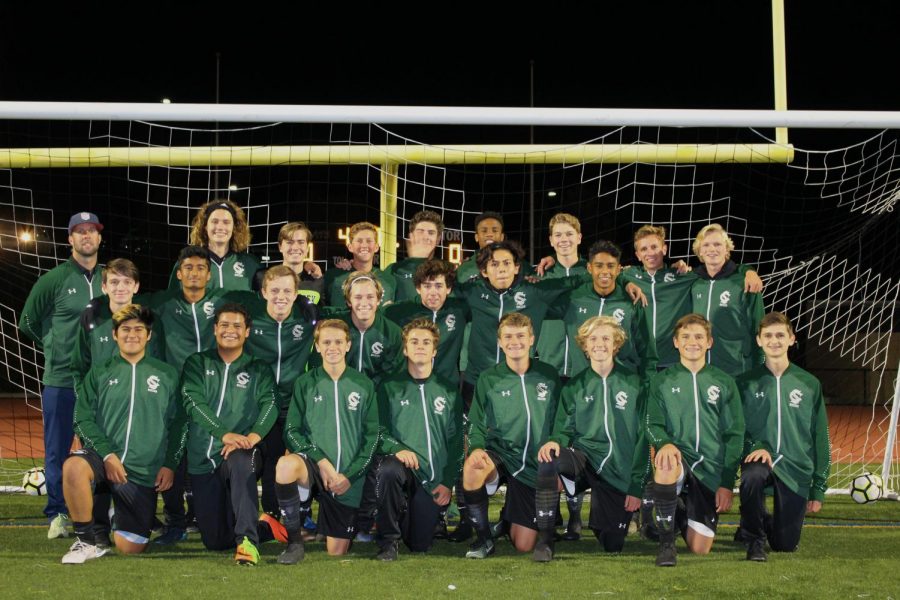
[[405, 509], [272, 448], [174, 499], [226, 501], [789, 508], [365, 515]]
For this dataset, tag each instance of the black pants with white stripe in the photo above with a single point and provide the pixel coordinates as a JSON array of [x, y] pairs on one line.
[[226, 501]]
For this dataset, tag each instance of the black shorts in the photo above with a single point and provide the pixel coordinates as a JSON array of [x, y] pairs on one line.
[[699, 504], [519, 508], [608, 512], [335, 519], [135, 505]]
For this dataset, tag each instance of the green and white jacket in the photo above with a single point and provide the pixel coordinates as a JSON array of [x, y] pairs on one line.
[[786, 416], [337, 420], [554, 347]]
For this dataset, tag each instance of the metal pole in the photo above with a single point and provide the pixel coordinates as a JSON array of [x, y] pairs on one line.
[[218, 64], [891, 437], [531, 172], [780, 68]]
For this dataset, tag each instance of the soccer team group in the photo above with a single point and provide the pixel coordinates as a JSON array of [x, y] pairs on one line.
[[378, 392]]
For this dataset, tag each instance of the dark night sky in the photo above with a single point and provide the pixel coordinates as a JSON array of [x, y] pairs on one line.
[[841, 55]]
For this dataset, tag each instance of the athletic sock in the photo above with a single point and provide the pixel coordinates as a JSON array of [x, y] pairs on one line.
[[574, 505], [84, 531], [546, 497], [293, 511], [477, 503], [664, 505]]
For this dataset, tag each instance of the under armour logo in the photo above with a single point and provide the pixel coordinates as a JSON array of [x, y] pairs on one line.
[[646, 501], [588, 398], [582, 310], [407, 276], [351, 529], [676, 390], [104, 338], [760, 394], [404, 403], [209, 372], [485, 297], [113, 381], [317, 398], [178, 311], [258, 331], [72, 290], [666, 519], [545, 513], [506, 393]]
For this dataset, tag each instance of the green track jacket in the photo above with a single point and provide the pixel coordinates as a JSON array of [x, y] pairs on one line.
[[337, 420], [604, 418], [554, 346], [134, 412], [52, 313], [512, 414], [426, 418], [402, 271], [236, 271], [786, 416], [451, 320], [702, 416], [221, 398], [377, 351], [183, 327]]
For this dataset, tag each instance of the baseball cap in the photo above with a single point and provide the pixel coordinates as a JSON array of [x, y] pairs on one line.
[[84, 217]]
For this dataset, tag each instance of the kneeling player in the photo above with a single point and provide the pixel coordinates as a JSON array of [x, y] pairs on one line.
[[786, 443], [130, 421], [514, 405], [597, 442], [331, 433], [230, 397], [421, 416], [696, 425]]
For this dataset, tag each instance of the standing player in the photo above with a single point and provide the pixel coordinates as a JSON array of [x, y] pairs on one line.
[[786, 445], [130, 419], [434, 281], [515, 402], [425, 231], [362, 241], [50, 318], [421, 418], [221, 227], [719, 294], [488, 230], [696, 425], [332, 434], [597, 442], [281, 336], [294, 243], [602, 296], [229, 397]]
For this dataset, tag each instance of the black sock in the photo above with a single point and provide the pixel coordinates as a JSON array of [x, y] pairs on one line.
[[84, 531], [664, 504], [574, 504], [293, 511], [477, 503], [647, 505], [546, 498]]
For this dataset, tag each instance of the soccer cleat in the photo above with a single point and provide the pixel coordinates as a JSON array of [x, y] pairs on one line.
[[388, 552], [440, 529], [246, 553], [756, 551], [103, 542], [192, 526], [573, 530], [171, 535], [275, 526], [648, 531], [80, 552], [364, 537], [667, 555], [462, 533], [309, 524], [59, 527], [543, 552], [293, 554], [481, 549], [500, 529]]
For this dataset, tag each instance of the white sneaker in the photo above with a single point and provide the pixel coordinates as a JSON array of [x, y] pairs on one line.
[[59, 527], [81, 552]]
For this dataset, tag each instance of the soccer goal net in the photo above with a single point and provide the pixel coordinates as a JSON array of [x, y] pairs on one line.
[[816, 218]]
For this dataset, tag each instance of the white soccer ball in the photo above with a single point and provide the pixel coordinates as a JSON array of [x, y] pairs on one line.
[[35, 482], [866, 488]]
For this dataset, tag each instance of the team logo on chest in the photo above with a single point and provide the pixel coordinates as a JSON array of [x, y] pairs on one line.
[[440, 403], [669, 277], [724, 297], [377, 349], [712, 394], [113, 382], [520, 299], [619, 315], [404, 402], [104, 339], [243, 378], [297, 332], [353, 401], [72, 291], [153, 384], [257, 332], [238, 269], [209, 309], [450, 322], [588, 399], [796, 396], [621, 400], [485, 297], [582, 310], [543, 390]]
